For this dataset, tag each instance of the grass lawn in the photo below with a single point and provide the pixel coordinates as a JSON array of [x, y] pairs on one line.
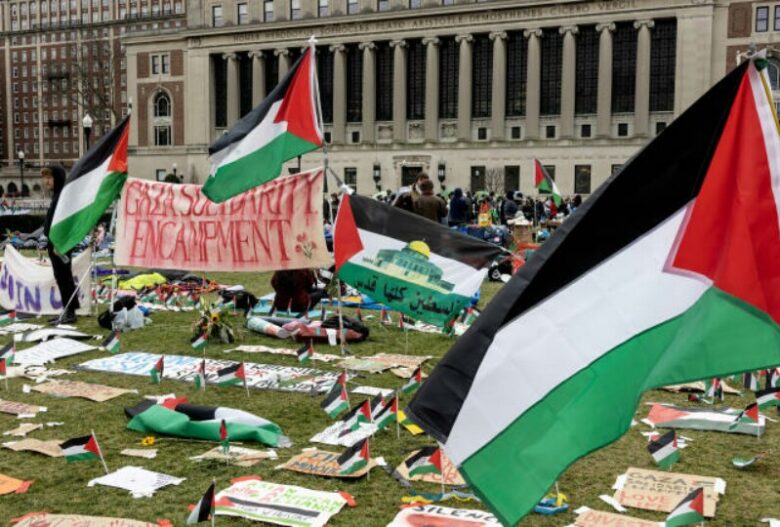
[[61, 488]]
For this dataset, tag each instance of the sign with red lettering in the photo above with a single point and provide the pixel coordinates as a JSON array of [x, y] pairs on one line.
[[172, 226]]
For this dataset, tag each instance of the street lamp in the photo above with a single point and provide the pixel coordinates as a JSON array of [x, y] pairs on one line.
[[86, 123], [377, 175], [20, 155], [442, 173]]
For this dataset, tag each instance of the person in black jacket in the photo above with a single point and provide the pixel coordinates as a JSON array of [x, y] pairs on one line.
[[54, 180]]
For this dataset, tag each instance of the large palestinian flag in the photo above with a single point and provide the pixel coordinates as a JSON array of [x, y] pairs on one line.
[[685, 286], [402, 260], [544, 183], [284, 126], [203, 422], [92, 185]]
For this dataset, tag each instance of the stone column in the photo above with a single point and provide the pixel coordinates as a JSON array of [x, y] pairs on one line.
[[399, 90], [284, 61], [568, 80], [233, 89], [642, 89], [604, 100], [533, 83], [431, 89], [339, 135], [464, 87], [369, 90], [258, 77], [498, 115]]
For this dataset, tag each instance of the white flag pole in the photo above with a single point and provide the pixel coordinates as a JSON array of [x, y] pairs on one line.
[[100, 451]]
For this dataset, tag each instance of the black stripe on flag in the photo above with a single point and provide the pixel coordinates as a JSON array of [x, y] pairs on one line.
[[666, 439], [202, 510], [99, 153], [76, 441], [658, 181], [350, 452], [423, 453]]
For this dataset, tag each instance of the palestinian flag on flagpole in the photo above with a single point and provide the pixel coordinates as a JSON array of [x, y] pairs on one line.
[[305, 353], [767, 398], [200, 376], [224, 438], [7, 355], [336, 401], [111, 342], [388, 414], [750, 381], [284, 126], [544, 183], [664, 450], [414, 382], [407, 263], [92, 185], [157, 372], [9, 317], [689, 512], [359, 414], [204, 508], [231, 375], [772, 378], [200, 342], [691, 274], [425, 461], [81, 449], [748, 415], [713, 389], [354, 458]]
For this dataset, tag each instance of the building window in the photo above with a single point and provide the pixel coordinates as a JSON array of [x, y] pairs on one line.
[[352, 7], [587, 77], [482, 77], [511, 178], [242, 16], [350, 177], [415, 80], [449, 58], [165, 63], [354, 84], [773, 72], [516, 72], [216, 16], [582, 179], [762, 19], [585, 131], [162, 119], [355, 139], [663, 52], [482, 133], [552, 57], [777, 18], [623, 68], [268, 11], [325, 80], [383, 5], [660, 126], [384, 81], [549, 131], [271, 71], [160, 174], [622, 129], [447, 2], [295, 9], [324, 8], [219, 65], [516, 132], [477, 178]]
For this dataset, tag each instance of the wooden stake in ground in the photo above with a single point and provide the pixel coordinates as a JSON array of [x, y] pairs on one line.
[[100, 451]]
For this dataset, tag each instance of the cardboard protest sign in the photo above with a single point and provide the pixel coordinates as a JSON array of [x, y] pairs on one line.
[[366, 364], [76, 520], [49, 448], [401, 361], [145, 453], [28, 286], [590, 518], [236, 455], [321, 463], [337, 434], [18, 327], [141, 483], [9, 484], [278, 504], [93, 392], [275, 226], [437, 516], [51, 350], [23, 429], [655, 490], [716, 420], [20, 409], [698, 386], [249, 348], [47, 333], [449, 472]]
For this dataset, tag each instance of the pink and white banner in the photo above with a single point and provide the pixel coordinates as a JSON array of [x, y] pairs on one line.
[[171, 226]]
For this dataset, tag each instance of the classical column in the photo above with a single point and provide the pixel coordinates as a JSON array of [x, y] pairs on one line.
[[464, 87], [568, 80], [233, 89], [498, 116], [284, 61], [642, 89], [399, 90], [258, 77], [339, 94], [533, 83], [431, 89], [604, 100], [369, 90]]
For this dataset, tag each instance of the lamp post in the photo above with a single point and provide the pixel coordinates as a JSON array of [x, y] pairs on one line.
[[377, 173], [20, 156], [86, 124], [442, 174]]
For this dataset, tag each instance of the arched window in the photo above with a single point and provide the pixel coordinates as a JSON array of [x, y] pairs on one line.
[[161, 106], [12, 190]]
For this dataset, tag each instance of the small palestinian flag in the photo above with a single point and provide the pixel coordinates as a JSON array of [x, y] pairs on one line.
[[223, 437], [342, 379], [354, 458], [545, 184], [8, 352], [750, 381], [748, 415], [767, 398], [231, 375], [690, 510], [7, 318], [204, 508], [388, 414], [200, 342], [305, 353], [377, 404], [200, 377], [714, 389], [359, 414], [384, 317], [157, 372], [772, 378], [336, 401], [414, 382], [111, 343], [424, 461], [664, 450], [81, 449]]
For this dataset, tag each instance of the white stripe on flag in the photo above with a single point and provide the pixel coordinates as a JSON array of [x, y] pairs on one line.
[[666, 451], [80, 193], [769, 128], [75, 450]]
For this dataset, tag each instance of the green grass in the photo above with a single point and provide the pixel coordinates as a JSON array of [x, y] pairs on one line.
[[61, 488]]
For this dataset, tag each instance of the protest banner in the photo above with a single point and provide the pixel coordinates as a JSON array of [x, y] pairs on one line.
[[401, 361], [278, 504], [49, 448], [14, 408], [449, 472], [40, 519], [436, 516], [171, 226], [590, 518], [28, 286], [321, 463], [23, 429], [93, 392], [712, 419], [236, 455], [50, 351], [141, 483], [655, 490]]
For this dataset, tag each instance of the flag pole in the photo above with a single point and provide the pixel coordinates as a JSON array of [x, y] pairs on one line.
[[397, 420], [100, 450], [213, 498], [75, 291], [368, 471], [246, 386]]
